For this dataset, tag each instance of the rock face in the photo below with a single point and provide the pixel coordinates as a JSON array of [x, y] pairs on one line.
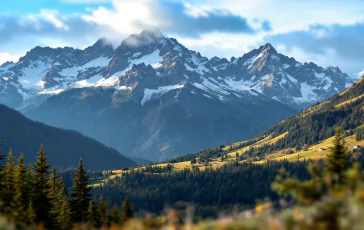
[[154, 98]]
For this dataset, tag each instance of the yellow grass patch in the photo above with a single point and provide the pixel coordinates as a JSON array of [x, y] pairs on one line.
[[349, 101]]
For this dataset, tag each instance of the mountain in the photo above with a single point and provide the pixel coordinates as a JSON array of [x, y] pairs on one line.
[[305, 135], [316, 124], [64, 148], [48, 71], [153, 98]]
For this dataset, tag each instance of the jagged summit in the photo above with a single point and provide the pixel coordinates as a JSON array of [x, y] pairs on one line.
[[101, 42], [260, 72], [151, 95], [267, 48], [152, 32], [145, 38]]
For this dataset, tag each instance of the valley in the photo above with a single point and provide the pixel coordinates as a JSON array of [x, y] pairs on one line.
[[272, 146], [149, 98]]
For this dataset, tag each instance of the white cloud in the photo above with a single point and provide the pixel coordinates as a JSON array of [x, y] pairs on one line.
[[51, 16], [288, 16], [361, 74], [4, 57], [124, 17], [223, 44], [188, 21]]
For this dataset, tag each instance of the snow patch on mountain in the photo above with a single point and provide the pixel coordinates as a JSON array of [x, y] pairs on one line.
[[96, 63], [88, 82], [51, 91], [286, 66], [154, 59], [153, 93], [33, 74], [360, 74]]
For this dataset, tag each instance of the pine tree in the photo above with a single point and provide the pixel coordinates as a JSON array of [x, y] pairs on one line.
[[102, 210], [114, 217], [337, 160], [80, 193], [30, 181], [2, 157], [42, 203], [56, 194], [127, 211], [64, 216], [21, 198], [8, 185], [91, 215], [53, 185], [30, 214]]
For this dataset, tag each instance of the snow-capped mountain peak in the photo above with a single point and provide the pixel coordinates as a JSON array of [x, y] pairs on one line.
[[152, 65]]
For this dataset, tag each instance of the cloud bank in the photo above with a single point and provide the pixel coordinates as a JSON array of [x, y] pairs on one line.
[[316, 32]]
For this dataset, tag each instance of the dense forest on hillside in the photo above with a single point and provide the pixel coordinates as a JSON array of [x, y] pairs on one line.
[[211, 190], [345, 110], [319, 122], [37, 194], [65, 147]]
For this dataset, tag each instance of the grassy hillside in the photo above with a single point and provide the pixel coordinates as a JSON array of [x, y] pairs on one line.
[[311, 129]]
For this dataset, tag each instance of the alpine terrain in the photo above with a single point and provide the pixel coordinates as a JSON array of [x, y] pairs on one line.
[[63, 147], [153, 98]]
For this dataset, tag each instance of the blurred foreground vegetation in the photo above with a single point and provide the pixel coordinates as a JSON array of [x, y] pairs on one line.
[[332, 197]]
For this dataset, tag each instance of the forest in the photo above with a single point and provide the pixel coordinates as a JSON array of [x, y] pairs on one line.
[[36, 195]]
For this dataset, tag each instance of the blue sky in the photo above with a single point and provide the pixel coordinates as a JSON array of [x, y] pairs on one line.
[[20, 7], [328, 32]]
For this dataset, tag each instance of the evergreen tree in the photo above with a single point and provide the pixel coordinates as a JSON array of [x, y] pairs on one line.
[[2, 157], [30, 214], [64, 216], [21, 198], [80, 193], [92, 217], [114, 217], [8, 185], [53, 185], [40, 178], [127, 211], [62, 187], [337, 160], [102, 210], [56, 195], [30, 181]]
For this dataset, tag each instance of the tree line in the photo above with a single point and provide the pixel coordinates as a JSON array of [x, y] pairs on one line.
[[36, 194]]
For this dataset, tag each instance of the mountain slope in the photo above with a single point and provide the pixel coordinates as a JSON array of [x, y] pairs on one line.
[[313, 128], [43, 72], [64, 148], [153, 98], [159, 129]]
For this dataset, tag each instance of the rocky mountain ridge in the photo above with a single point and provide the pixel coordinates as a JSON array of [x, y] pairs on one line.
[[153, 98], [155, 64]]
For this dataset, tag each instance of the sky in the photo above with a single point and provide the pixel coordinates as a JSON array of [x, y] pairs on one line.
[[327, 32]]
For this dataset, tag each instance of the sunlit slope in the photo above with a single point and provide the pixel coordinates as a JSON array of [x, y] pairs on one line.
[[306, 135]]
